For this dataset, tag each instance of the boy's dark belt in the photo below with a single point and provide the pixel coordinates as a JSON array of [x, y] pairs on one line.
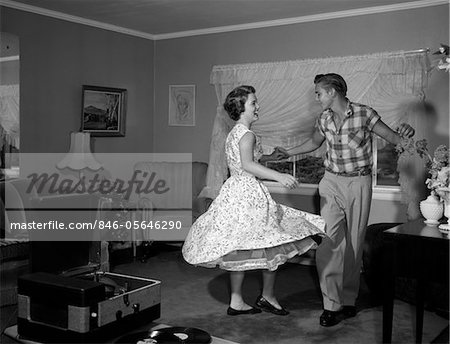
[[362, 172]]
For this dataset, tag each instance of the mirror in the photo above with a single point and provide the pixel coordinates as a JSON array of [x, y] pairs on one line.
[[9, 105]]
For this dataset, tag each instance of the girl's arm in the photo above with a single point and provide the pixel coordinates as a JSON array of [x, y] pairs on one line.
[[246, 145]]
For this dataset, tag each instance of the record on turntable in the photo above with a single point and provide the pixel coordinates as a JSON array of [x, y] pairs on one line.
[[168, 335]]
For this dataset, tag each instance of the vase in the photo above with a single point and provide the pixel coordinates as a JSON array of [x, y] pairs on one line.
[[446, 226], [432, 210]]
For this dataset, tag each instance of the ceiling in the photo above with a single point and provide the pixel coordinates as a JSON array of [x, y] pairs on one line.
[[162, 17]]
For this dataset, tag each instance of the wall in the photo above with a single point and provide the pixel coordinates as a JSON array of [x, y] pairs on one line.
[[58, 57], [190, 60]]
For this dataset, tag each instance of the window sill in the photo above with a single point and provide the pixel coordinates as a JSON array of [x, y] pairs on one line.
[[379, 193], [10, 173], [303, 189]]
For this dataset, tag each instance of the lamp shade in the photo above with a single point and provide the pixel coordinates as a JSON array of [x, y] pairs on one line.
[[79, 156]]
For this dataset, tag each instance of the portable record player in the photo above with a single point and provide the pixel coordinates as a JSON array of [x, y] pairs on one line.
[[88, 308]]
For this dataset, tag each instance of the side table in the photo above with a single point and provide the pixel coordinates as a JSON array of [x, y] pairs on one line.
[[417, 251]]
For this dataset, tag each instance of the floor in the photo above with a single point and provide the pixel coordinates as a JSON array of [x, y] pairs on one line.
[[197, 297]]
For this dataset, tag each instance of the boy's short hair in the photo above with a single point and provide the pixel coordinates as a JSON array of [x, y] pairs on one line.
[[235, 101], [332, 80]]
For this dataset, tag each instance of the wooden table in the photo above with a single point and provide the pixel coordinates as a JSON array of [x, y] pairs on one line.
[[417, 251]]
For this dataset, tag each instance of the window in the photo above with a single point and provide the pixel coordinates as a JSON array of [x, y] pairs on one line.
[[9, 105], [388, 81], [308, 169], [385, 164], [9, 161]]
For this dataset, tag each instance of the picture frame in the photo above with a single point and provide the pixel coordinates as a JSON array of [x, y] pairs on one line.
[[103, 111], [182, 105]]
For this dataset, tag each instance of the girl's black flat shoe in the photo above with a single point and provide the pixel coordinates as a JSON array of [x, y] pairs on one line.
[[266, 306], [232, 311]]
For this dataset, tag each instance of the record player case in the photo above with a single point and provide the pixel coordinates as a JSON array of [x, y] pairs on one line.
[[84, 309]]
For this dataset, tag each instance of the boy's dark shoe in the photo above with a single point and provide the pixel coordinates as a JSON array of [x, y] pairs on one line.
[[349, 311], [329, 318]]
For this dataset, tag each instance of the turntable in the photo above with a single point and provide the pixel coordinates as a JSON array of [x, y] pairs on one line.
[[84, 309]]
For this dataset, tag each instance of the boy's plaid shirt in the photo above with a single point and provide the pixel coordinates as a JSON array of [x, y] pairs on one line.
[[349, 148]]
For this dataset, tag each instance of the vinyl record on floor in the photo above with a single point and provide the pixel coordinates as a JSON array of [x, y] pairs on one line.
[[146, 337], [168, 335], [189, 335]]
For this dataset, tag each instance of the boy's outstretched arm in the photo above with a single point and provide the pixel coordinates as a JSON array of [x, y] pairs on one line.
[[394, 137], [309, 145], [279, 153]]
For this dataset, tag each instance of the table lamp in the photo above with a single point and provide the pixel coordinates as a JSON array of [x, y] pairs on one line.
[[80, 156]]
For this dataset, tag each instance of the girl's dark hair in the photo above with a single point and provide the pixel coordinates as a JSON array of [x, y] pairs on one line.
[[332, 80], [235, 101]]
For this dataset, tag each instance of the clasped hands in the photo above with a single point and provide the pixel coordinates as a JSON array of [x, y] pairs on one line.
[[279, 153]]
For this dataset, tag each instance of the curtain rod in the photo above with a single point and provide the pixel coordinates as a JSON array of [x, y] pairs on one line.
[[424, 50]]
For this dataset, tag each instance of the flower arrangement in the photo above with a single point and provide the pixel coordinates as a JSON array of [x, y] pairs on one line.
[[444, 62], [439, 173], [437, 165]]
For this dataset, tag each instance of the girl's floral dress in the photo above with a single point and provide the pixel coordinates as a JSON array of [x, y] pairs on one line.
[[244, 228]]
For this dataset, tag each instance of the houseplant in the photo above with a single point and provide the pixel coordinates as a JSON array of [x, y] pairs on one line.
[[437, 167]]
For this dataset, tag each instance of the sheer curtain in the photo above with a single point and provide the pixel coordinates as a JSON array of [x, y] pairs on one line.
[[389, 82], [9, 115]]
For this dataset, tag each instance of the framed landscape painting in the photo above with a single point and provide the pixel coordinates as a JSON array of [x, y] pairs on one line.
[[103, 111]]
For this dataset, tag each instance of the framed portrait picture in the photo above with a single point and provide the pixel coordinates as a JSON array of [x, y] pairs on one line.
[[182, 105], [103, 111]]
